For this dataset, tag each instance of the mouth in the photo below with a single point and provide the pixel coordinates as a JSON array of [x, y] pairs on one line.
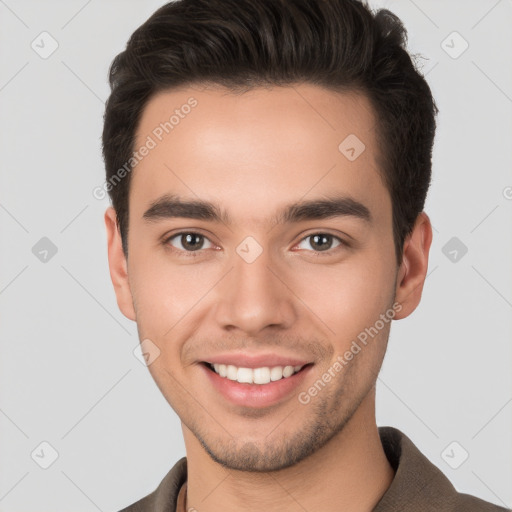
[[261, 376], [254, 380]]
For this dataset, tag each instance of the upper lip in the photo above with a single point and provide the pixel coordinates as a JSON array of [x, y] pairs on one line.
[[246, 360]]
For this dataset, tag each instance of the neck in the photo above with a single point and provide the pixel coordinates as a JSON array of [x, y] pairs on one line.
[[350, 472]]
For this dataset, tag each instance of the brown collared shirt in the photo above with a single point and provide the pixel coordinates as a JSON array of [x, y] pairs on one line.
[[418, 485]]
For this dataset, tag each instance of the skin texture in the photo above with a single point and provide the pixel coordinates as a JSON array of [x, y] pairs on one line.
[[253, 153]]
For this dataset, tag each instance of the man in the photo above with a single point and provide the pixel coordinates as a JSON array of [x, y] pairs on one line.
[[268, 163]]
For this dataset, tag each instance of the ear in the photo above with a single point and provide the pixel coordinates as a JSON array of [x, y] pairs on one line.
[[413, 270], [118, 265]]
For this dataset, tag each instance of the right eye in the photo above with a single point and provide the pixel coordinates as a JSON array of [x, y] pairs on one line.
[[187, 242]]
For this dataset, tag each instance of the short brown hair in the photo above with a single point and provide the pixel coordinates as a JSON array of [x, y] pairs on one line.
[[338, 44]]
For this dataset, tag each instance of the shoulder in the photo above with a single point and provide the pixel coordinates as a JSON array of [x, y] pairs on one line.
[[164, 497], [419, 484]]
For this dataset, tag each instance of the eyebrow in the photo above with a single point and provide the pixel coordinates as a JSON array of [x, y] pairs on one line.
[[172, 206]]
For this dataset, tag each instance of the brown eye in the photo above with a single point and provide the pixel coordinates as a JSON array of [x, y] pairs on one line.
[[322, 242], [188, 241]]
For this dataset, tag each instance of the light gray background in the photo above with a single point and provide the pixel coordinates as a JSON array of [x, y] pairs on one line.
[[68, 375]]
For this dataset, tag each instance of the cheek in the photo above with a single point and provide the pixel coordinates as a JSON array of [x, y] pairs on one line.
[[164, 293], [345, 298]]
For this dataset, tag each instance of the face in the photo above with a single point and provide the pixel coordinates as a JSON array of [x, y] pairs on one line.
[[260, 242]]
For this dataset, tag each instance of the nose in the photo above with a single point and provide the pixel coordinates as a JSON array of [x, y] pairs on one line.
[[254, 296]]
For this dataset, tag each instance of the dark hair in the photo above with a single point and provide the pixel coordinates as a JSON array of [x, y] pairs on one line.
[[338, 44]]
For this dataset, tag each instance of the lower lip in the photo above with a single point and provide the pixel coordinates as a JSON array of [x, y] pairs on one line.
[[256, 395]]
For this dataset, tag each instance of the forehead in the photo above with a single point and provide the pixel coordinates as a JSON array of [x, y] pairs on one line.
[[255, 151]]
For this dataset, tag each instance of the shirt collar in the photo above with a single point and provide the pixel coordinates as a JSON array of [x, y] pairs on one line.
[[416, 482]]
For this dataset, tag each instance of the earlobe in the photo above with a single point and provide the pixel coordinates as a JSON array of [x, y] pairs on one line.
[[413, 270], [118, 265]]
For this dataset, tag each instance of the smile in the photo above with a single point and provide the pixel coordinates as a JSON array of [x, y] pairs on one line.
[[262, 375]]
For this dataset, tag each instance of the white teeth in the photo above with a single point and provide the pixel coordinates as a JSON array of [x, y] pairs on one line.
[[232, 372], [288, 371], [262, 375], [276, 373], [245, 375]]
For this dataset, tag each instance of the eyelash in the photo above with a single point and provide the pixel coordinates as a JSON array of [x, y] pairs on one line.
[[195, 254]]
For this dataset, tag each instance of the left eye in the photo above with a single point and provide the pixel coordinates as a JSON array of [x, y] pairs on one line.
[[189, 242], [322, 242]]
